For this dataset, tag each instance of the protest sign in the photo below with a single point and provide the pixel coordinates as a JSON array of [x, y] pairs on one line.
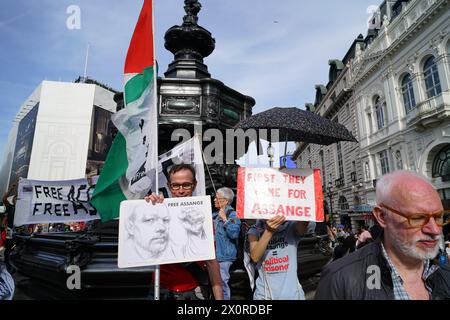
[[177, 230], [54, 201], [294, 193]]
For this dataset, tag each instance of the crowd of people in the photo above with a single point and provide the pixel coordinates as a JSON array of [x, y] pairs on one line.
[[402, 257], [344, 241], [400, 241]]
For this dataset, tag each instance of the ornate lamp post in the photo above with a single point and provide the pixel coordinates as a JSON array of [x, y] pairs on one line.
[[330, 196]]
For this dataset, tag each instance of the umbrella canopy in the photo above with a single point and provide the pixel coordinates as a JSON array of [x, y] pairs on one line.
[[298, 125]]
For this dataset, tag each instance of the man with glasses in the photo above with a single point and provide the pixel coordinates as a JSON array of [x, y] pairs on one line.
[[182, 281], [399, 265]]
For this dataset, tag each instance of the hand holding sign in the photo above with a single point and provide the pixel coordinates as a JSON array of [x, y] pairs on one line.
[[273, 223], [154, 198]]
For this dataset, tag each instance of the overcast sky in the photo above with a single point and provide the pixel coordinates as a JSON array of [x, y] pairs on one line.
[[274, 51]]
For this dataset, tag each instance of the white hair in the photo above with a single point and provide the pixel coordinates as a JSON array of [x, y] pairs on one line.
[[409, 249], [227, 193], [387, 182]]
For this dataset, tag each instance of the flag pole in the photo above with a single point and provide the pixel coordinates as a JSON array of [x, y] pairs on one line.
[[155, 83]]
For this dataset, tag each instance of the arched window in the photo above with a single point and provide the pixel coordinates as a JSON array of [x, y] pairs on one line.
[[379, 112], [431, 76], [408, 93], [343, 204], [441, 164]]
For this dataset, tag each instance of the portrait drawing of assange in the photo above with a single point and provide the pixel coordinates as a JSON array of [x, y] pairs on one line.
[[148, 233]]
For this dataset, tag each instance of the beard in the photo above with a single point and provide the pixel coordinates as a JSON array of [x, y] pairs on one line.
[[410, 249], [157, 245], [151, 248]]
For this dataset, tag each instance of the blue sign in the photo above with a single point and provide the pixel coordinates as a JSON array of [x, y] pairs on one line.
[[290, 164], [363, 208]]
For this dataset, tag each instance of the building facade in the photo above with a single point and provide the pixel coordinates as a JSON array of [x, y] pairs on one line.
[[339, 163], [61, 132], [397, 102], [402, 98]]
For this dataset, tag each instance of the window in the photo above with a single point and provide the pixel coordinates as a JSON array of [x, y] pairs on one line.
[[322, 161], [408, 93], [366, 171], [384, 162], [343, 204], [340, 161], [398, 157], [369, 119], [353, 173], [379, 112], [431, 76], [441, 164]]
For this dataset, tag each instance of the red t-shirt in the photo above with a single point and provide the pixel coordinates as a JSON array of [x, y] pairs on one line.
[[2, 238], [176, 278]]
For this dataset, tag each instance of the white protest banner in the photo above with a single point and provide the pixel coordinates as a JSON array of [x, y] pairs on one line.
[[294, 193], [177, 230], [54, 201]]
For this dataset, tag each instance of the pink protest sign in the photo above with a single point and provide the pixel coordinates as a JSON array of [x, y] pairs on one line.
[[293, 193]]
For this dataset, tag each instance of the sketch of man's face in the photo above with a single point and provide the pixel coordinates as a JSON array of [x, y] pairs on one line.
[[192, 220], [150, 230]]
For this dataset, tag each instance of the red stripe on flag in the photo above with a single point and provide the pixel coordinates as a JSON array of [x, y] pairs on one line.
[[141, 52], [240, 193], [318, 193]]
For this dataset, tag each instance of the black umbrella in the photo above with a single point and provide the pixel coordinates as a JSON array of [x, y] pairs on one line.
[[298, 125]]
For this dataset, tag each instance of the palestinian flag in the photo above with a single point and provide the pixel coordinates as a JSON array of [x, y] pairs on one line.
[[132, 160]]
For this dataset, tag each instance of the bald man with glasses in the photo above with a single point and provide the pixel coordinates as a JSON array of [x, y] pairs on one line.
[[400, 264]]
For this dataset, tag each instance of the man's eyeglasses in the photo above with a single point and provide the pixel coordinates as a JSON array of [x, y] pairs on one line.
[[185, 186], [418, 220]]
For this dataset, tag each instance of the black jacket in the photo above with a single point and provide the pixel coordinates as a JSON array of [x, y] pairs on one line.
[[353, 278]]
